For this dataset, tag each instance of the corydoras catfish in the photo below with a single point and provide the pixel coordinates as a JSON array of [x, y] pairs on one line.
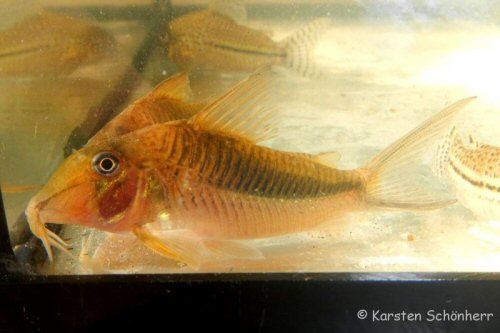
[[474, 169], [218, 186], [215, 39], [52, 44]]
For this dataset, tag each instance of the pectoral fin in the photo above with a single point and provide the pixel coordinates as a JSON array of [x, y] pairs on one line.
[[187, 247], [173, 245]]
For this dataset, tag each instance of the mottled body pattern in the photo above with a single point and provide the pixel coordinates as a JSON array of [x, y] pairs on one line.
[[51, 44], [474, 170], [210, 40]]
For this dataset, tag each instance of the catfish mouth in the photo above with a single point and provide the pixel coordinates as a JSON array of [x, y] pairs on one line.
[[48, 237], [39, 229]]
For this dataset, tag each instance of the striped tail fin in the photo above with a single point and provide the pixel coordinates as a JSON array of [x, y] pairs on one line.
[[441, 157], [300, 46]]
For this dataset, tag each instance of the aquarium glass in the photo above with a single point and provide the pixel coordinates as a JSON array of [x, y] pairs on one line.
[[341, 80]]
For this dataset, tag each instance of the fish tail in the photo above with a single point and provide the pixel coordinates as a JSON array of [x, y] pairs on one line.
[[442, 154], [391, 178], [300, 46]]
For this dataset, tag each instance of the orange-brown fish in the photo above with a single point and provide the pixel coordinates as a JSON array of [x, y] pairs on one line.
[[51, 44], [213, 39], [474, 170], [217, 185]]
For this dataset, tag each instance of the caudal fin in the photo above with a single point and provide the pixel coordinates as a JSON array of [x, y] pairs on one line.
[[390, 182], [441, 157], [300, 46]]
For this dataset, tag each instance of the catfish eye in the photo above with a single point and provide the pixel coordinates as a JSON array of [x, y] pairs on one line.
[[106, 164]]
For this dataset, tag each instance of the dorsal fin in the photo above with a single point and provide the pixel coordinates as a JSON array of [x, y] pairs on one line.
[[244, 111], [233, 9], [176, 87]]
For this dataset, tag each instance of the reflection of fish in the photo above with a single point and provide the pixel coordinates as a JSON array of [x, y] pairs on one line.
[[167, 102], [37, 103], [217, 185], [209, 39], [51, 44], [474, 170]]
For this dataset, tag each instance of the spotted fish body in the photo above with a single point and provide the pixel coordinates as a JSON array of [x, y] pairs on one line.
[[209, 40], [474, 170], [51, 44]]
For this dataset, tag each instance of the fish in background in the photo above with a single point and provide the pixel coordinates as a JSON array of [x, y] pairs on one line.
[[214, 39], [474, 170], [207, 183], [38, 100], [14, 10], [51, 44]]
